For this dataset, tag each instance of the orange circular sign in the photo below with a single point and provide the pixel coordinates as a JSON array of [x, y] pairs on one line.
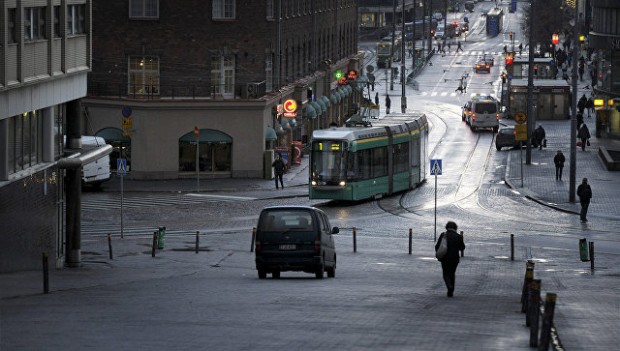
[[290, 105]]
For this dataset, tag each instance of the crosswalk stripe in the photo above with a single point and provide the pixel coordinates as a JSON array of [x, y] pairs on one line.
[[97, 203]]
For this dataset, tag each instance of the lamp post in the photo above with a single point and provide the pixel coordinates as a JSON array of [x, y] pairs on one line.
[[573, 122]]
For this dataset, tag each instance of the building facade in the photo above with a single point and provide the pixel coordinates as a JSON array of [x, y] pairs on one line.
[[180, 91], [604, 46], [45, 55]]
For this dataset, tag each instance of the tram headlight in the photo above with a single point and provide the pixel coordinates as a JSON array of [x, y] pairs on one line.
[[314, 183], [342, 183]]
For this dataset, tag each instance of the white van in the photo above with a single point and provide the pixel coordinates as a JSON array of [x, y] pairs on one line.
[[483, 112], [98, 171]]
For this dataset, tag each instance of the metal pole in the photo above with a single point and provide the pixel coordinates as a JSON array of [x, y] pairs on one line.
[[392, 46], [197, 164], [435, 235], [530, 89], [122, 204], [403, 98], [573, 119]]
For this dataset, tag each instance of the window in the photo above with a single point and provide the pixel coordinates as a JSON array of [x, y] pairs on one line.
[[269, 72], [214, 152], [25, 135], [223, 75], [223, 9], [270, 10], [56, 33], [143, 75], [143, 8], [34, 23], [75, 19], [12, 30]]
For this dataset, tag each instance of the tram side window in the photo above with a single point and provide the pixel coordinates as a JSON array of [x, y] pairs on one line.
[[380, 162], [401, 156]]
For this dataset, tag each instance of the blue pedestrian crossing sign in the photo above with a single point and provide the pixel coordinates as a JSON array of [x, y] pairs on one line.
[[121, 167], [435, 167]]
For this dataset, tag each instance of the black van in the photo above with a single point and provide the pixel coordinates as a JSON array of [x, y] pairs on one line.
[[294, 238]]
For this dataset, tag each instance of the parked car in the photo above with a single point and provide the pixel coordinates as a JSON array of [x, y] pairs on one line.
[[505, 138], [481, 65], [294, 238]]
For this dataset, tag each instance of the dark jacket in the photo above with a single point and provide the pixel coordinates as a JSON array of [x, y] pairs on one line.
[[278, 166], [455, 245], [559, 160], [539, 134], [584, 132], [584, 192]]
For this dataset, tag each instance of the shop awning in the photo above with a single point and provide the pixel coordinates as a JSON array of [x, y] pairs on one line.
[[318, 107], [325, 100], [207, 136], [309, 111], [113, 135], [270, 134], [348, 90], [361, 83], [322, 104]]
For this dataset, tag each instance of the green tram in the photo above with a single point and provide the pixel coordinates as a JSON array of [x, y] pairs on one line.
[[356, 163]]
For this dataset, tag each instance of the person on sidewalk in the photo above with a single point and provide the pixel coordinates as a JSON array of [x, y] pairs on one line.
[[377, 99], [278, 167], [585, 194], [539, 137], [584, 135], [388, 103], [451, 260], [559, 160], [590, 106], [459, 47]]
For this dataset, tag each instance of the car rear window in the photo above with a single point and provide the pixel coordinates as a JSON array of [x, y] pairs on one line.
[[486, 107], [285, 220]]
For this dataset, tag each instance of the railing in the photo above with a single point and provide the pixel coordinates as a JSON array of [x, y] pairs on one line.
[[166, 91]]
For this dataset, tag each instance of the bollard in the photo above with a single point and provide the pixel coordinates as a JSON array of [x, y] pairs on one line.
[[161, 238], [110, 246], [197, 241], [529, 275], [534, 311], [462, 251], [410, 240], [591, 250], [547, 322], [583, 250], [253, 239], [512, 247], [154, 243], [46, 273], [354, 240]]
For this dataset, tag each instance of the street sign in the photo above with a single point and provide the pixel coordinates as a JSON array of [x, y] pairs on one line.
[[520, 117], [121, 167], [436, 167], [521, 132]]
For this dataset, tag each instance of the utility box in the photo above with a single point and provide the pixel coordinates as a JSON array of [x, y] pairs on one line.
[[267, 161]]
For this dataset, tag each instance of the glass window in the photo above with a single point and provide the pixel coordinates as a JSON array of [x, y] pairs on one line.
[[57, 32], [401, 157], [75, 19], [223, 9], [143, 8], [144, 75], [12, 30], [486, 107], [223, 75], [212, 156], [270, 9], [34, 23], [25, 141]]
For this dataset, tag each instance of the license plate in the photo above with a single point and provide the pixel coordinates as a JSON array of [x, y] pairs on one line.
[[288, 247]]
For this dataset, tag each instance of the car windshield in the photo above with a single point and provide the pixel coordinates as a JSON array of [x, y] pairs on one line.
[[327, 160]]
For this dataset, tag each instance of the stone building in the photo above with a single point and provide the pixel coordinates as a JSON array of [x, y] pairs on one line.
[[167, 75]]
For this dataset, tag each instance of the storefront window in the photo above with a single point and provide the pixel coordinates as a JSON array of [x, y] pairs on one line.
[[214, 152]]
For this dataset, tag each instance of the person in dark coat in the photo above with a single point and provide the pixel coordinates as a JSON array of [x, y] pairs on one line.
[[590, 106], [584, 135], [539, 136], [581, 103], [585, 194], [278, 167], [559, 160], [376, 98], [388, 103], [451, 260]]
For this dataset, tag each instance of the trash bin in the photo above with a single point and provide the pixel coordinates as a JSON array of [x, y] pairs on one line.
[[583, 250], [161, 237]]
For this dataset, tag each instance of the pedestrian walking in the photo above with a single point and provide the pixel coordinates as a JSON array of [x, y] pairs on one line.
[[278, 167], [584, 135], [590, 106], [505, 49], [585, 194], [579, 120], [559, 160], [450, 260], [388, 104], [539, 137], [581, 104], [459, 47], [520, 48], [377, 99]]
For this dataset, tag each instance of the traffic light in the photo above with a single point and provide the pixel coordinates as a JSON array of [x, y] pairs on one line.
[[456, 23], [509, 60]]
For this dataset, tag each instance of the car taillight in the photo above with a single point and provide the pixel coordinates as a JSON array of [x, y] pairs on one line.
[[317, 244], [257, 247], [497, 116], [473, 115]]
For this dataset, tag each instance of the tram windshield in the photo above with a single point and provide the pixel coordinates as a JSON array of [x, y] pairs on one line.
[[328, 160]]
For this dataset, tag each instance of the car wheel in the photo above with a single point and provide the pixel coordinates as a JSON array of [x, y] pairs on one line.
[[473, 129], [275, 274], [319, 272], [331, 272], [262, 274], [498, 147]]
